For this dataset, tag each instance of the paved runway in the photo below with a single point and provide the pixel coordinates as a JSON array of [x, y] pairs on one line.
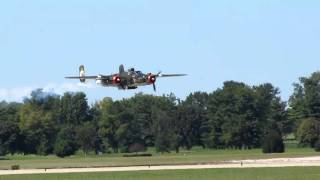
[[280, 162]]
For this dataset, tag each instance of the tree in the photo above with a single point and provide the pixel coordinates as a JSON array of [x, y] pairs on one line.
[[164, 142], [95, 116], [86, 137], [119, 127], [110, 126], [129, 132], [273, 143], [9, 134], [165, 139], [65, 144], [305, 101], [74, 108], [10, 139], [312, 97], [232, 117], [38, 122], [107, 124], [128, 122], [239, 115], [308, 132], [143, 107], [191, 119], [297, 109], [270, 110]]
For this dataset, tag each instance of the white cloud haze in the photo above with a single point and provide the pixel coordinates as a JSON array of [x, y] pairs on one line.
[[19, 93]]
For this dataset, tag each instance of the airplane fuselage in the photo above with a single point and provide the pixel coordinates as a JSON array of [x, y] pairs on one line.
[[126, 80], [130, 79]]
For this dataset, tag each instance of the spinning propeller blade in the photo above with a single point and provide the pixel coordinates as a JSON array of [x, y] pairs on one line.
[[154, 87]]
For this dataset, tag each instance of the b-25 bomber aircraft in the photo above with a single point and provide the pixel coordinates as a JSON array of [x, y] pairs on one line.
[[130, 79]]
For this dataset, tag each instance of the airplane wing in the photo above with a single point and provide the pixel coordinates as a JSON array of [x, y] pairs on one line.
[[171, 75], [101, 77]]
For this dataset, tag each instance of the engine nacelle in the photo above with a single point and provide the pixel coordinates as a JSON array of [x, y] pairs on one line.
[[151, 79], [116, 80]]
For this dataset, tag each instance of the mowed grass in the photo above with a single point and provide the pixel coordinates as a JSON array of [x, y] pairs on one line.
[[196, 156], [292, 173]]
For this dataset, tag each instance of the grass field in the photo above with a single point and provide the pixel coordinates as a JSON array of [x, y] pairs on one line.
[[295, 173], [196, 156]]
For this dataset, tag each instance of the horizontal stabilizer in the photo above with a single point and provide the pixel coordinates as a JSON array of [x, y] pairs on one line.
[[82, 77]]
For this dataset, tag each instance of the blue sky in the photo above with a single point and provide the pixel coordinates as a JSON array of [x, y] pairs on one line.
[[213, 41]]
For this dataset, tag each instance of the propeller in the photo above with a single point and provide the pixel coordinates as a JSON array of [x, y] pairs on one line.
[[154, 80], [154, 84], [159, 74], [154, 87]]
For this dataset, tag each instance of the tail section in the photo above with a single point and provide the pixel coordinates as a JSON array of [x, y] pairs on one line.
[[121, 69], [82, 74]]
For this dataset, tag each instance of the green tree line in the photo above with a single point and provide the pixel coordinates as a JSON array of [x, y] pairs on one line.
[[236, 116]]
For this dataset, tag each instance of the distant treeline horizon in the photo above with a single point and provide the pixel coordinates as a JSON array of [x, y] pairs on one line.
[[236, 116]]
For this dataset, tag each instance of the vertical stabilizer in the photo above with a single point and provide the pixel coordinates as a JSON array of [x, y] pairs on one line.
[[121, 69], [82, 74]]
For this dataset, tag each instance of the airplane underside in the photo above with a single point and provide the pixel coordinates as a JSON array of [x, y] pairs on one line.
[[123, 86]]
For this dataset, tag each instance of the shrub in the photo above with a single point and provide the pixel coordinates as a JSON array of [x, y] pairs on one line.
[[138, 155], [317, 146], [308, 132], [15, 167], [273, 143], [137, 147]]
